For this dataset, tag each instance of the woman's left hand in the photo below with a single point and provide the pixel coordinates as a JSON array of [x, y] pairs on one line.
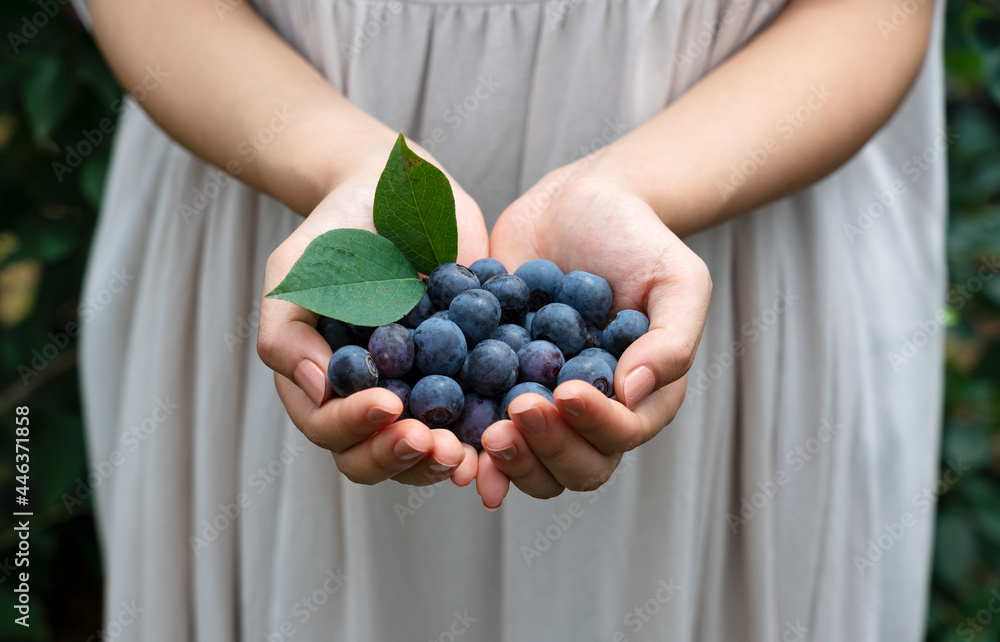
[[584, 221]]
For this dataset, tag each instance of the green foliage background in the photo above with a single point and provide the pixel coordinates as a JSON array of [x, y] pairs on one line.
[[54, 92]]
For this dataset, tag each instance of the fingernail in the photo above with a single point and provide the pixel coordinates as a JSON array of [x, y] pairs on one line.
[[531, 419], [573, 406], [405, 451], [441, 468], [492, 510], [638, 384], [311, 379], [507, 453], [378, 415]]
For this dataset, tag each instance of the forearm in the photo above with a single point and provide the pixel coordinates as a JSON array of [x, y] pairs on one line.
[[791, 107], [238, 96]]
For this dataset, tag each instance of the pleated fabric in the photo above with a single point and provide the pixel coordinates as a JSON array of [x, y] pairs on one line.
[[788, 500]]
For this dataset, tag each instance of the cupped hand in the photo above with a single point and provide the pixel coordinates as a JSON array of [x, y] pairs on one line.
[[368, 444], [583, 221]]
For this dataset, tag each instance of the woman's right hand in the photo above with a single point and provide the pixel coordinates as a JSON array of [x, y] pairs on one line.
[[368, 444]]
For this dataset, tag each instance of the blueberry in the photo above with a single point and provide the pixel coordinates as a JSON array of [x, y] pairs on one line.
[[522, 389], [603, 354], [351, 369], [592, 369], [392, 348], [402, 390], [528, 318], [492, 368], [361, 334], [593, 337], [562, 325], [477, 312], [463, 376], [622, 331], [486, 269], [337, 333], [543, 279], [587, 293], [512, 293], [420, 312], [443, 314], [478, 415], [540, 361], [513, 335], [437, 401], [440, 347], [447, 281]]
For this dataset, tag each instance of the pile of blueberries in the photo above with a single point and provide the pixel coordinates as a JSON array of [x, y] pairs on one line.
[[480, 337]]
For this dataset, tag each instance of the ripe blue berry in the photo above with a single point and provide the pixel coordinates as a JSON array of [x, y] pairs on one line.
[[512, 293], [592, 369], [486, 269], [622, 331], [437, 401], [351, 369], [562, 325], [528, 318], [479, 414], [402, 390], [477, 312], [361, 334], [523, 389], [440, 347], [587, 293], [603, 354], [543, 278], [443, 314], [447, 281], [420, 312], [463, 376], [513, 335], [337, 333], [391, 346], [593, 337], [540, 361], [492, 368]]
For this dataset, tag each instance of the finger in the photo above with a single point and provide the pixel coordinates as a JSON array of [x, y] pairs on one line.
[[677, 305], [572, 460], [392, 450], [491, 484], [608, 425], [466, 471], [513, 457], [445, 457]]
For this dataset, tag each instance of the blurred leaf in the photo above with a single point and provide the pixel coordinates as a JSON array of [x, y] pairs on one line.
[[92, 179], [986, 33], [47, 91], [954, 550], [970, 444]]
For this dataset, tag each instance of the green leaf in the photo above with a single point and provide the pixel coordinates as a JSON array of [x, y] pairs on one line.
[[47, 91], [415, 209], [354, 276]]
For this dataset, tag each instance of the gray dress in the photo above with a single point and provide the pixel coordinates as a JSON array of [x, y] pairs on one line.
[[790, 499]]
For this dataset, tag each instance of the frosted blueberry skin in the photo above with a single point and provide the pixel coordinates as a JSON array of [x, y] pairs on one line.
[[402, 390], [392, 348], [523, 389], [477, 313], [437, 401], [351, 369], [587, 293], [540, 362], [542, 278], [420, 313], [479, 414], [337, 333], [513, 335], [447, 281], [492, 368], [486, 269], [440, 347], [560, 324], [512, 293], [602, 354], [623, 330], [528, 318], [592, 369]]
